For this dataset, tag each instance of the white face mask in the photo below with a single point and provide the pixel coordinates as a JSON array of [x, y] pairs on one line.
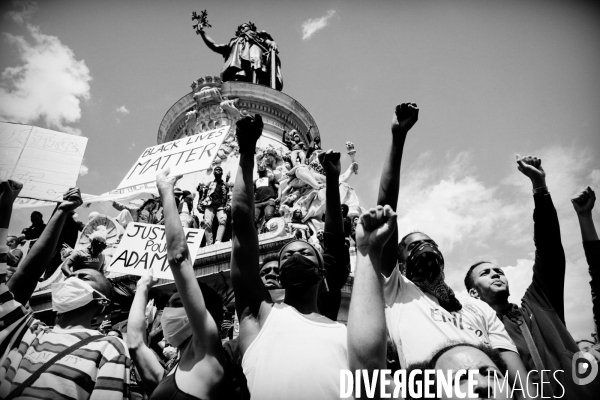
[[175, 325], [72, 294], [170, 352]]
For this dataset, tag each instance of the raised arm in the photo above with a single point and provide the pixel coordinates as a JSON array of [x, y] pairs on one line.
[[250, 293], [204, 329], [336, 253], [549, 266], [405, 116], [366, 316], [217, 48], [144, 359], [583, 203], [25, 279], [9, 190]]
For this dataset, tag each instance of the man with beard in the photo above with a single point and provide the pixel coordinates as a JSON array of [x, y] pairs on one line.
[[419, 294], [538, 326], [281, 343]]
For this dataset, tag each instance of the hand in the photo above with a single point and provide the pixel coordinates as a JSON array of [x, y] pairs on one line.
[[272, 45], [166, 183], [375, 227], [330, 161], [71, 200], [9, 190], [583, 202], [248, 131], [406, 115], [532, 168], [146, 282]]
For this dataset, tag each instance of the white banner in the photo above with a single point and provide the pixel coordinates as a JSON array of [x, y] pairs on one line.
[[128, 193], [144, 247], [183, 156], [45, 161]]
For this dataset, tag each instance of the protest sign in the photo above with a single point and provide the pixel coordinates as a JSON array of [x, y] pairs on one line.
[[183, 156], [46, 162], [144, 247]]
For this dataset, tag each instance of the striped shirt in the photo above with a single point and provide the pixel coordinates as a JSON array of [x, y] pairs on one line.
[[98, 370]]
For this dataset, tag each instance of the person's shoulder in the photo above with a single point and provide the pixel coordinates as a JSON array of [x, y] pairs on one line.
[[476, 306]]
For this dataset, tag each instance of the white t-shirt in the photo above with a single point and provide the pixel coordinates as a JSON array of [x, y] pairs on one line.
[[419, 326], [294, 357]]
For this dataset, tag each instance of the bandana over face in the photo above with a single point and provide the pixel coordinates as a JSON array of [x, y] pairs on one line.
[[425, 268]]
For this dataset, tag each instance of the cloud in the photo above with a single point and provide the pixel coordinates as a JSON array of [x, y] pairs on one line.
[[312, 25], [83, 170], [122, 110], [27, 9], [49, 83]]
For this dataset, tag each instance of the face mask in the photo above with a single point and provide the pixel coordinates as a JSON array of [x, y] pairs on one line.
[[425, 268], [74, 293], [424, 263], [175, 325], [298, 271], [170, 352]]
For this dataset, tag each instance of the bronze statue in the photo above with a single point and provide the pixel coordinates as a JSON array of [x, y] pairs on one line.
[[251, 56]]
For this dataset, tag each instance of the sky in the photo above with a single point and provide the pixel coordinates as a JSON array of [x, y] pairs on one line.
[[491, 79]]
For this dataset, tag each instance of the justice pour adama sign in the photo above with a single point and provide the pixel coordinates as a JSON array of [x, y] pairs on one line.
[[46, 162], [183, 156], [144, 247]]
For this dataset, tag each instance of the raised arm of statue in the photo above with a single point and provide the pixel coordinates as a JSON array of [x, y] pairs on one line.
[[217, 48]]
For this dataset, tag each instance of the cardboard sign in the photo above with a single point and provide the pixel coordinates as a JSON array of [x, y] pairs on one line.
[[144, 247], [46, 162], [183, 156]]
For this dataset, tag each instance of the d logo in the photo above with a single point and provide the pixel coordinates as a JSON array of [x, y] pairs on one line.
[[584, 368]]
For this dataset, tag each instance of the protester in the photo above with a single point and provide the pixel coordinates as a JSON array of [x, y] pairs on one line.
[[190, 321], [538, 326], [67, 240], [265, 193], [35, 230], [583, 202], [90, 257], [294, 328], [87, 364], [420, 294], [14, 255], [213, 204]]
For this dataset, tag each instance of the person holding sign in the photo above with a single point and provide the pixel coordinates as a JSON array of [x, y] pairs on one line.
[[295, 328], [191, 328]]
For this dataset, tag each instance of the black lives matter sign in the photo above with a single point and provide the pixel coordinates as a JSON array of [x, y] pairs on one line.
[[183, 156]]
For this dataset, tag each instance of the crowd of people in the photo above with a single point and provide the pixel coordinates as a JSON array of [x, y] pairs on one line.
[[402, 316]]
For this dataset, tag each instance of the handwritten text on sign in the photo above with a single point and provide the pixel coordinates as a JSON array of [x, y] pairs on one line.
[[45, 161], [183, 156], [144, 247]]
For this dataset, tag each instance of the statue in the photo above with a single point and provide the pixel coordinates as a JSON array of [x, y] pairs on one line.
[[297, 148], [251, 56], [351, 153]]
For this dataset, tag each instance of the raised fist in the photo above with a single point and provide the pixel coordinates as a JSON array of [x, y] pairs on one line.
[[583, 202], [375, 227], [248, 131], [164, 182], [330, 160], [532, 168], [405, 116], [9, 190], [71, 200]]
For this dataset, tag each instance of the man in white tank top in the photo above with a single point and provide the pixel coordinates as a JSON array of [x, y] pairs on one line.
[[290, 350]]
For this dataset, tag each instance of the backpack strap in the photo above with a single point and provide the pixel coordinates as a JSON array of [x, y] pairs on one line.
[[33, 377]]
